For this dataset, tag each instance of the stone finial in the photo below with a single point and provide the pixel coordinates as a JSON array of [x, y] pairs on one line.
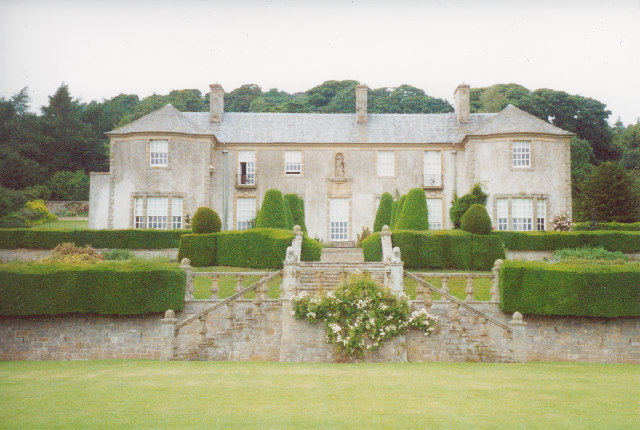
[[361, 104], [216, 102], [169, 316], [497, 264], [297, 231], [462, 102], [386, 231], [185, 262], [516, 318], [397, 254]]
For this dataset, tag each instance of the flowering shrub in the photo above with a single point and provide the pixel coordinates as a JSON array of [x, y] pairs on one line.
[[562, 222], [70, 253], [360, 315]]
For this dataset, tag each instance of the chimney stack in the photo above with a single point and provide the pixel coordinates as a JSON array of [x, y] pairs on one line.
[[216, 102], [361, 104], [461, 96]]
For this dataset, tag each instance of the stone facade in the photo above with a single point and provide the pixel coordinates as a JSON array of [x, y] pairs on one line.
[[228, 160]]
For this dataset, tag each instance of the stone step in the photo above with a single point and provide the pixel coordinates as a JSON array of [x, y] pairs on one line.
[[342, 255]]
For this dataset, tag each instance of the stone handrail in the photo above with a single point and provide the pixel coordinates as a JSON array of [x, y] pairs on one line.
[[229, 299], [458, 301]]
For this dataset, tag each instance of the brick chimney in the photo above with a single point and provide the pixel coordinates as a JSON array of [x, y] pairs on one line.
[[361, 104], [216, 102], [461, 96]]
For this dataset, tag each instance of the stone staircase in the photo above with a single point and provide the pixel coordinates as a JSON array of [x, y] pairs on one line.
[[342, 255], [325, 276]]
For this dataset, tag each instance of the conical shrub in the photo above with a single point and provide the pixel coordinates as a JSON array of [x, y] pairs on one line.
[[383, 216], [476, 220], [414, 214], [272, 213]]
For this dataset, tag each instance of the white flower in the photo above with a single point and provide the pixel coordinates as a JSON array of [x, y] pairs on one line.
[[311, 315], [335, 327]]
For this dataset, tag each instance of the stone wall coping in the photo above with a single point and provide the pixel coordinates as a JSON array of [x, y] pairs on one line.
[[454, 275]]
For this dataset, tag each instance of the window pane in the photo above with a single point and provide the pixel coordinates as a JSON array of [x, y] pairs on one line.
[[521, 153], [434, 207], [432, 169], [386, 163], [245, 213], [159, 152], [502, 206], [522, 212], [542, 214], [176, 212], [246, 168], [292, 162], [157, 208], [138, 212], [339, 218]]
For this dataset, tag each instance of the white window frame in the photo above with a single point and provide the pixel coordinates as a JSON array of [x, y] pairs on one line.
[[338, 219], [248, 177], [159, 153], [502, 214], [434, 212], [157, 212], [386, 163], [541, 215], [521, 154], [245, 212], [176, 213], [292, 162], [522, 214], [138, 213], [432, 168]]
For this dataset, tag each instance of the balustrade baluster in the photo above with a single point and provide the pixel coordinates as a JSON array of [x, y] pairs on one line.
[[232, 311], [483, 326], [469, 289], [455, 317], [445, 284], [239, 280], [203, 326], [419, 292], [215, 288], [428, 302]]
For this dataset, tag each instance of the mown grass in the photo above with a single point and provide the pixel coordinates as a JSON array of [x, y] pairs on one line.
[[232, 395], [63, 225]]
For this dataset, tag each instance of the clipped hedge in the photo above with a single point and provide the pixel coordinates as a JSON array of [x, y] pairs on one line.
[[536, 288], [619, 226], [259, 248], [624, 241], [441, 249], [109, 288], [120, 239]]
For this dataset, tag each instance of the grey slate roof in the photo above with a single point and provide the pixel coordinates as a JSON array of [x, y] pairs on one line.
[[514, 120], [336, 128]]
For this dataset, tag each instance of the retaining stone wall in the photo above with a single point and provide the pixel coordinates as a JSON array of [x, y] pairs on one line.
[[265, 337]]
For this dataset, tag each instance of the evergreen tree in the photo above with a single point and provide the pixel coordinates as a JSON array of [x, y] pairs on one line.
[[610, 195], [414, 214], [462, 204], [383, 216]]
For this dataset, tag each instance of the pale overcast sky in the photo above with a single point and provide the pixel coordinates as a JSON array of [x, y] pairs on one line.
[[103, 48]]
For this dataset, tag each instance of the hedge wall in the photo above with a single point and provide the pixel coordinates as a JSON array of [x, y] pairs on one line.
[[119, 239], [258, 248], [586, 226], [442, 249], [109, 288], [537, 288], [624, 241]]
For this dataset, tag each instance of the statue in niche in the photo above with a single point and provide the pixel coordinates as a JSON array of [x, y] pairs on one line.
[[339, 166]]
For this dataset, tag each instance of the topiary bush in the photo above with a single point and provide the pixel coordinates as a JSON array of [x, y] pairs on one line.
[[296, 206], [624, 241], [396, 208], [134, 287], [414, 214], [383, 215], [287, 214], [461, 204], [205, 221], [272, 212], [595, 290], [476, 220]]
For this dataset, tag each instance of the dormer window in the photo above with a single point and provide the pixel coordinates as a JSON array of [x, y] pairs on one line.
[[159, 153]]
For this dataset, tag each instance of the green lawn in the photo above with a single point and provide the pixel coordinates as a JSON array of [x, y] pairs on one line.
[[149, 394], [63, 225]]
